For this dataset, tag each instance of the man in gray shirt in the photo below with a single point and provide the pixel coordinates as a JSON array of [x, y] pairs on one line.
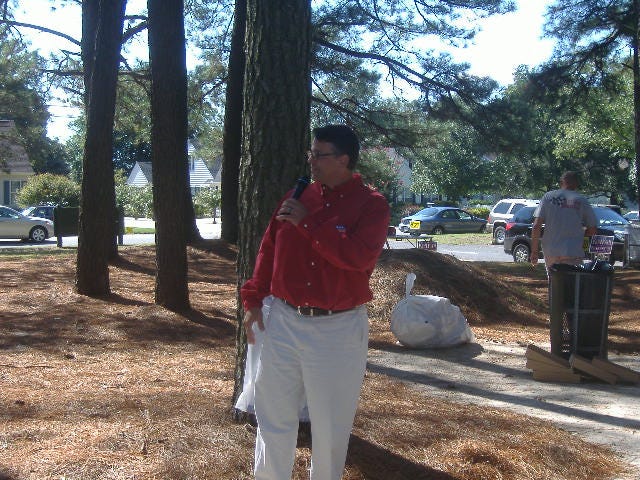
[[565, 214]]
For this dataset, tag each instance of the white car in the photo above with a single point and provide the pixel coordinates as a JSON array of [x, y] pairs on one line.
[[16, 225], [502, 212], [632, 216]]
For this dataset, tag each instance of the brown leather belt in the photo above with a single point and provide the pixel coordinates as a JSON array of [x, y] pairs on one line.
[[313, 311]]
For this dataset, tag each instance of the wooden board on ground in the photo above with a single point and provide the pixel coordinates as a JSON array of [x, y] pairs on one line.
[[584, 365], [566, 376], [548, 367], [535, 364], [541, 355], [624, 374]]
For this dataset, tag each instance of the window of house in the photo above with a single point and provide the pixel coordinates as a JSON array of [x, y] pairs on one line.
[[12, 187]]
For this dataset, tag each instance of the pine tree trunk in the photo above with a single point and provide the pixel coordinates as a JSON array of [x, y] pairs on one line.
[[169, 150], [90, 18], [97, 203], [275, 124], [636, 93], [232, 141]]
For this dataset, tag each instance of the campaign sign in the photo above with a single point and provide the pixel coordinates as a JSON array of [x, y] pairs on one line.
[[601, 244]]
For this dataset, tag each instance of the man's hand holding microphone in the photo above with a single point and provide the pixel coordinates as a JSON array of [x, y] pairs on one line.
[[292, 210]]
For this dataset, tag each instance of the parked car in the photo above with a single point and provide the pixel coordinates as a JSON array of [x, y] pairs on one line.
[[502, 212], [632, 216], [439, 220], [615, 208], [40, 211], [15, 225], [517, 241]]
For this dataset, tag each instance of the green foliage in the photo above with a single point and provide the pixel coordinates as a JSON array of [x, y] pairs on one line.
[[206, 201], [455, 166], [23, 99], [136, 201], [51, 189], [482, 212], [600, 135], [379, 167], [403, 209], [592, 37]]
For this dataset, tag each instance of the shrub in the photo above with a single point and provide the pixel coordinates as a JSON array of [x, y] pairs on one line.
[[482, 212], [206, 201], [49, 189], [402, 209], [136, 201]]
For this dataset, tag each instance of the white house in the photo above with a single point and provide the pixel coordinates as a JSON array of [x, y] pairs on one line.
[[199, 175], [15, 168], [405, 167]]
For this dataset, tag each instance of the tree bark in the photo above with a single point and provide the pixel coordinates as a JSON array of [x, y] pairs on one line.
[[232, 138], [167, 57], [90, 16], [636, 92], [277, 95], [97, 202]]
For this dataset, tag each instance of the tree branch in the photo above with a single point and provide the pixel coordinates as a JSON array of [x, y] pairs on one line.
[[40, 28]]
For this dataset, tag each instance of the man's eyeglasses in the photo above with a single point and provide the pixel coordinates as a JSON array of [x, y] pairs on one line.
[[317, 155]]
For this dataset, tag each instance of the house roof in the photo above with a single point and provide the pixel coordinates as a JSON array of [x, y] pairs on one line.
[[216, 170], [147, 170], [13, 156]]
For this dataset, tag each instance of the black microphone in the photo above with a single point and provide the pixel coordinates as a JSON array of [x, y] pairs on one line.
[[301, 184]]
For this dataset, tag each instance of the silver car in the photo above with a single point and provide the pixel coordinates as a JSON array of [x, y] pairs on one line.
[[16, 225], [439, 220]]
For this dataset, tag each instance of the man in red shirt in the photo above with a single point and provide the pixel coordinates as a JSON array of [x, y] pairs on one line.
[[315, 258]]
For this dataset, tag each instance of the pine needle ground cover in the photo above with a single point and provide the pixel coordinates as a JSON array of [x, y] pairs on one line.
[[119, 388]]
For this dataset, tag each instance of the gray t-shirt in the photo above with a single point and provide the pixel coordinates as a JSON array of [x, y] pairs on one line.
[[565, 213]]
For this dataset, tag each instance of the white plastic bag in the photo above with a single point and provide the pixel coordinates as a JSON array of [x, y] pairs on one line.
[[428, 321], [246, 399]]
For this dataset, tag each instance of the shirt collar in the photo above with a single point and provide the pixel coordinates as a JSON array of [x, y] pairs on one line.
[[347, 187]]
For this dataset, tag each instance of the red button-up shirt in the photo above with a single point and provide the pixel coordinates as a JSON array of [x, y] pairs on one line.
[[326, 260]]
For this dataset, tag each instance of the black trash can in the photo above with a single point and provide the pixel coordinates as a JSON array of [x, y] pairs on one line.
[[580, 298]]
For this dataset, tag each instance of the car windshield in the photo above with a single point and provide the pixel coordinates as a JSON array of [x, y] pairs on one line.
[[524, 215], [426, 212], [7, 212], [607, 217]]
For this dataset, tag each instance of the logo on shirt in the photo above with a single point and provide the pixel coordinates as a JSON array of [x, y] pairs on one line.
[[564, 202], [341, 228]]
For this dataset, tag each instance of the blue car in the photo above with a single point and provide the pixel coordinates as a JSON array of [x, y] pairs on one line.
[[439, 220]]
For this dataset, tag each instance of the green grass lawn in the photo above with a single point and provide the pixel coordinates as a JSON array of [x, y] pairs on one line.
[[134, 230], [464, 238]]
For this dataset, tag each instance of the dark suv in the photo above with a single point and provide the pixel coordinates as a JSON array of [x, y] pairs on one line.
[[40, 211], [517, 241]]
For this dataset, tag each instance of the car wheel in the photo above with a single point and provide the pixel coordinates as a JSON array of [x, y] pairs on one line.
[[498, 235], [437, 231], [521, 253], [38, 234]]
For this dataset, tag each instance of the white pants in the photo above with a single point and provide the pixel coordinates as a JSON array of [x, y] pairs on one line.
[[322, 359]]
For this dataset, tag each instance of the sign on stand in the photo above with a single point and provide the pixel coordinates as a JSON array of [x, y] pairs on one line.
[[427, 244], [601, 244]]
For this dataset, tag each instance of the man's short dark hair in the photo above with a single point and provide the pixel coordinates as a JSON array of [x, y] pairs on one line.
[[343, 138], [570, 178]]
